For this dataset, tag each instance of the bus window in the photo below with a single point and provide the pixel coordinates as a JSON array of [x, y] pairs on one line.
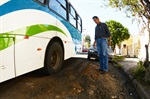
[[63, 3], [72, 11], [79, 20], [72, 20], [79, 23], [56, 6], [72, 16], [79, 27]]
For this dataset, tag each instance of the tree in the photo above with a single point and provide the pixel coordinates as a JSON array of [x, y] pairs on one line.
[[88, 40], [140, 10], [118, 31]]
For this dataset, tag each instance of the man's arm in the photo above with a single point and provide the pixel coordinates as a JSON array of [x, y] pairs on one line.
[[107, 31], [108, 34]]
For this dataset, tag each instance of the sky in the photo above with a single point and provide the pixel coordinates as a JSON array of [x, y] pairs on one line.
[[89, 8]]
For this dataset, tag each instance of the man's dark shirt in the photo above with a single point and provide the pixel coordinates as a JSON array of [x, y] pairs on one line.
[[101, 31]]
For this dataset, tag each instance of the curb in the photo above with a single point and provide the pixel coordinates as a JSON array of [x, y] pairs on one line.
[[138, 87]]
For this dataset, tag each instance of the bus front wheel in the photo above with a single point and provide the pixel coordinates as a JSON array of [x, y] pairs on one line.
[[54, 58]]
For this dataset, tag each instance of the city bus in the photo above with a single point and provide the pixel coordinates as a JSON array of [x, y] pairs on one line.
[[37, 34]]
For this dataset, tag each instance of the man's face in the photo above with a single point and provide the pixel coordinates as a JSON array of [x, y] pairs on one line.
[[97, 21]]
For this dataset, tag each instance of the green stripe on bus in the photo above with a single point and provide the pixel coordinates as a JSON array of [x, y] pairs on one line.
[[6, 39]]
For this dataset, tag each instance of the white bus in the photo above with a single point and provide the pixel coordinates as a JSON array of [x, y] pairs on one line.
[[36, 34]]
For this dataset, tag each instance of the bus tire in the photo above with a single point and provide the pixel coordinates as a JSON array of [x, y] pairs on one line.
[[54, 58]]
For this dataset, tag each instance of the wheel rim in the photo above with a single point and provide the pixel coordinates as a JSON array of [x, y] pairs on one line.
[[54, 59]]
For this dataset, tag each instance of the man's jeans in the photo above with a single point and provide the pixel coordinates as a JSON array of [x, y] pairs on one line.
[[103, 54]]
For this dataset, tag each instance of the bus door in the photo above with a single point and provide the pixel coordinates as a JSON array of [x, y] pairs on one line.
[[7, 49]]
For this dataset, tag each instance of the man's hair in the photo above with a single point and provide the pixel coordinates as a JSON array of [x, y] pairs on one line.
[[95, 17]]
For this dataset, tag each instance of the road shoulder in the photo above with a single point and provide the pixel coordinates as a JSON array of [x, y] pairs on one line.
[[127, 67]]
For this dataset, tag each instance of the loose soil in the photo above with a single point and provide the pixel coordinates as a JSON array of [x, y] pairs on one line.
[[78, 79]]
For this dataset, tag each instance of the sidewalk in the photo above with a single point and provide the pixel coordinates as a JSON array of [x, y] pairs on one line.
[[128, 66]]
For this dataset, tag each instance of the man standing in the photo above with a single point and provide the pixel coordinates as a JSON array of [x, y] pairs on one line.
[[102, 41]]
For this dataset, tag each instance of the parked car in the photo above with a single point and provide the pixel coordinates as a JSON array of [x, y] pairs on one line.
[[92, 53], [84, 49]]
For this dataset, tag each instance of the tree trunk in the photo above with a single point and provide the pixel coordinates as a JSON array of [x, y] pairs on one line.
[[147, 74], [147, 56]]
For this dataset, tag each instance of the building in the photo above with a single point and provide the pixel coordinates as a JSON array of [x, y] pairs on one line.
[[131, 46], [144, 38], [135, 45]]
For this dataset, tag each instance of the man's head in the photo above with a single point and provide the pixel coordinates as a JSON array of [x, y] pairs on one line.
[[96, 20]]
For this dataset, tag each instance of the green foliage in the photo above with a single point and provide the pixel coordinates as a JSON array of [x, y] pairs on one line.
[[87, 39], [118, 31], [118, 58], [132, 8], [119, 65], [139, 71]]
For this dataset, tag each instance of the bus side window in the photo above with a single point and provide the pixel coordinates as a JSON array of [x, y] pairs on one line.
[[58, 7], [72, 11], [63, 3], [79, 23], [72, 16]]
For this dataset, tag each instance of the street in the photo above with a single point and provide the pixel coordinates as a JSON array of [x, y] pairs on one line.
[[78, 79]]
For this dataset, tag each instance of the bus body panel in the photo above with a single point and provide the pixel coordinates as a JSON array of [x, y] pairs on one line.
[[29, 54], [7, 69], [24, 62], [32, 27], [67, 41]]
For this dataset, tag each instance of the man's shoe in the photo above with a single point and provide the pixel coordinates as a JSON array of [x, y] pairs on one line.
[[103, 72], [99, 69]]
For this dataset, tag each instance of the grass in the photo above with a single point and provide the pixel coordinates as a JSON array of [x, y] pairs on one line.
[[119, 65], [139, 71], [118, 58]]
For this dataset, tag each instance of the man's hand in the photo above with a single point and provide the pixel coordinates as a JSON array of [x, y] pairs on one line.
[[94, 45], [109, 43]]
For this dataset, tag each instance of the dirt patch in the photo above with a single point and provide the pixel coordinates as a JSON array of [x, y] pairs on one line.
[[79, 79]]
